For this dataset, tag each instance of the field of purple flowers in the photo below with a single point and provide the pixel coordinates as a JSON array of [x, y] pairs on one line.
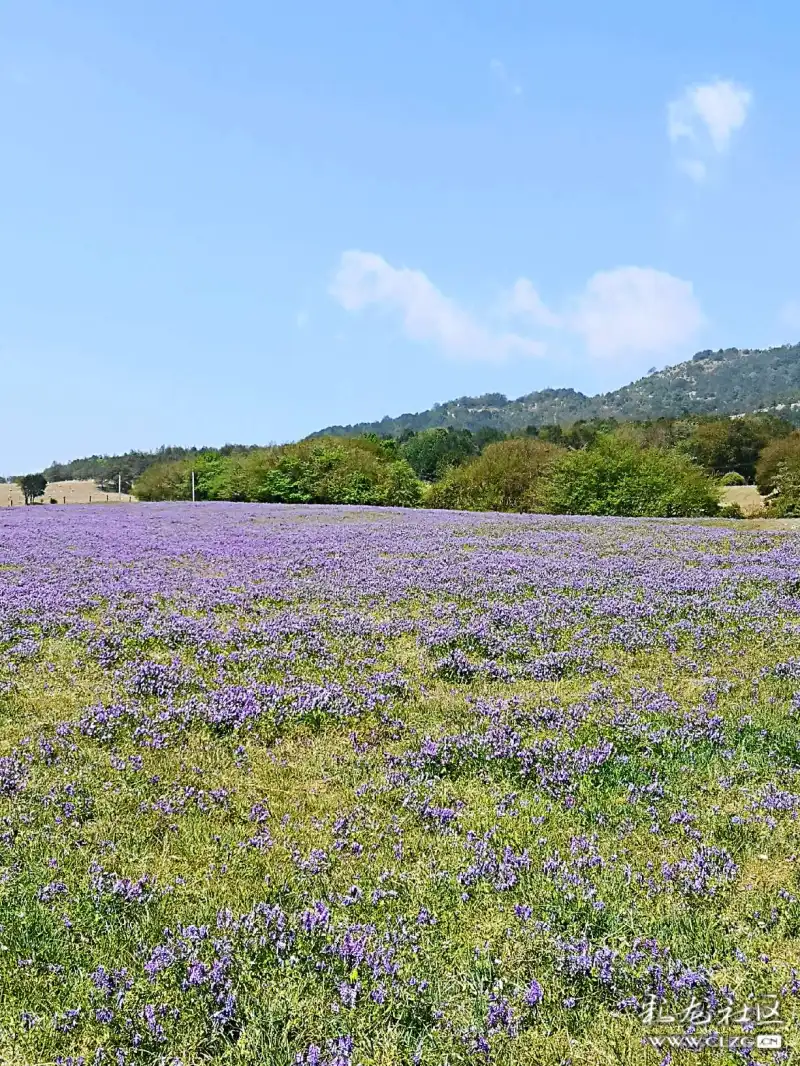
[[341, 787]]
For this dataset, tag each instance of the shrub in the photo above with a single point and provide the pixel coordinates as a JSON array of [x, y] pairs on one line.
[[733, 477], [779, 451], [731, 510], [505, 477], [617, 477]]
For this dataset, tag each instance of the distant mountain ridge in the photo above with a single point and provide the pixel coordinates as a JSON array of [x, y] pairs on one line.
[[730, 381]]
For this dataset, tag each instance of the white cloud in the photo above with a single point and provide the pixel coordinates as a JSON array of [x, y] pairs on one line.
[[635, 310], [713, 111], [364, 279], [619, 314], [500, 72], [525, 302]]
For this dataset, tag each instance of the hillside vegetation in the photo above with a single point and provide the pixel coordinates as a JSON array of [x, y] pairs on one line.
[[732, 381]]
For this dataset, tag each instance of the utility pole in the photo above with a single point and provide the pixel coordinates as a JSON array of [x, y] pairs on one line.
[[193, 486], [119, 485]]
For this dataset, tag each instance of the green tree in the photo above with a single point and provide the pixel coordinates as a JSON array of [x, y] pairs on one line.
[[32, 486], [402, 487], [721, 445], [786, 503], [388, 445], [617, 477], [505, 477], [785, 449], [553, 434], [164, 481], [318, 470], [433, 451], [486, 435], [211, 475]]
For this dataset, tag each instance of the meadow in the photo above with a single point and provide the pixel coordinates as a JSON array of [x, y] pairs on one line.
[[328, 786]]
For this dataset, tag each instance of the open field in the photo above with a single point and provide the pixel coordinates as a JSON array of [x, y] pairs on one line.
[[63, 492], [297, 785], [747, 496]]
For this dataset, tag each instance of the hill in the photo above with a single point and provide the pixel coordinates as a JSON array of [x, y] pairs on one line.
[[730, 381]]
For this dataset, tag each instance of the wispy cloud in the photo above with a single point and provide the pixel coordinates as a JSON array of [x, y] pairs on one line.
[[523, 301], [702, 121], [364, 279], [500, 73], [619, 313]]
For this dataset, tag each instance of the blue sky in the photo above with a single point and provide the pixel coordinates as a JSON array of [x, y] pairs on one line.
[[244, 221]]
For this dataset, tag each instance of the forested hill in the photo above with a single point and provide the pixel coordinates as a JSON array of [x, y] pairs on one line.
[[732, 381]]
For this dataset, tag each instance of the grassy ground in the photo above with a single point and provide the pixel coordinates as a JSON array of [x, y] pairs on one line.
[[63, 492], [344, 787], [746, 496]]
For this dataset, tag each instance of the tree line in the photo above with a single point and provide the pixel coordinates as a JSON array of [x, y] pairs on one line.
[[661, 467], [106, 470]]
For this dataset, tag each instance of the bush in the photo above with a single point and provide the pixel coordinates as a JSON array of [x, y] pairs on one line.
[[505, 477], [733, 477], [786, 449], [617, 477], [731, 510]]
